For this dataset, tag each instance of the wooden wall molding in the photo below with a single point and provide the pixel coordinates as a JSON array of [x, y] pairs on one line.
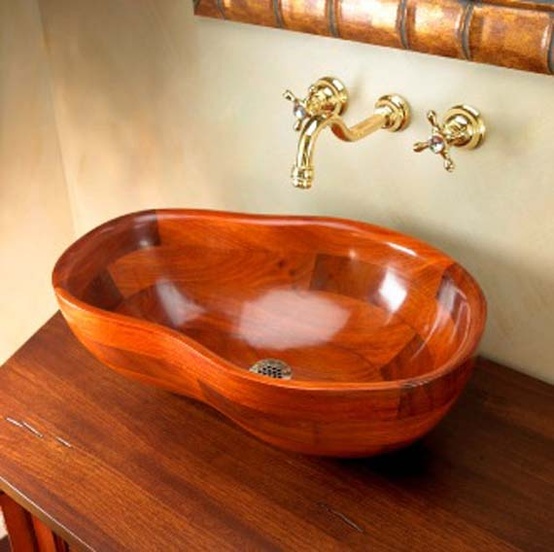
[[511, 33]]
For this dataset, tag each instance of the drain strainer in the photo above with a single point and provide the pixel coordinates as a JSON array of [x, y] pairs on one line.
[[272, 368]]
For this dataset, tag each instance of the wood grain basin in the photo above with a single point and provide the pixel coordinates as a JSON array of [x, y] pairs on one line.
[[375, 330]]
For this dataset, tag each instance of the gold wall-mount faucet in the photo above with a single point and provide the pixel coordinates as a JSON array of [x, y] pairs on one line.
[[327, 99]]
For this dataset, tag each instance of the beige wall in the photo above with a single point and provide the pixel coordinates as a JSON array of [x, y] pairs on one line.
[[35, 215], [153, 107]]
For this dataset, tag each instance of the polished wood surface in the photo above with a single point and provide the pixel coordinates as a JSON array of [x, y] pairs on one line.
[[149, 470], [511, 33], [378, 328]]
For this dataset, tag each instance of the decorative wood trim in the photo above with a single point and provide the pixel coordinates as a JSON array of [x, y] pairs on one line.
[[511, 33]]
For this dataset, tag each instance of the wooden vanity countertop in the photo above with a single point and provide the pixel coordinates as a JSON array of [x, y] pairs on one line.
[[122, 466]]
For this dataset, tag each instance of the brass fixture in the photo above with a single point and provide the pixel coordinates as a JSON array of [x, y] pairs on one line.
[[463, 127], [327, 99]]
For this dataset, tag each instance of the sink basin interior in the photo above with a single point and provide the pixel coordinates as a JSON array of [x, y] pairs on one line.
[[335, 300]]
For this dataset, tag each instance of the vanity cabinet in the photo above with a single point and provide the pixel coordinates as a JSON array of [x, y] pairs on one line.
[[111, 464], [27, 533]]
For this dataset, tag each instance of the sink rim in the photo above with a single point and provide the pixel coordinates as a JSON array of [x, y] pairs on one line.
[[463, 352]]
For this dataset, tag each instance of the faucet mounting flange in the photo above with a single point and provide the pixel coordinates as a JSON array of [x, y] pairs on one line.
[[397, 111]]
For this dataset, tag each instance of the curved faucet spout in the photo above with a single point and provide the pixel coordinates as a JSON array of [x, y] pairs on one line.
[[326, 100], [303, 170]]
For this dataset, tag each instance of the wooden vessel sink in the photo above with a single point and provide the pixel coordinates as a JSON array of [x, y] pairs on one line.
[[318, 335]]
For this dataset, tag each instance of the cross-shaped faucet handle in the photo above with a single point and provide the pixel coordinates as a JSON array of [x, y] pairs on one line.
[[326, 97], [463, 127]]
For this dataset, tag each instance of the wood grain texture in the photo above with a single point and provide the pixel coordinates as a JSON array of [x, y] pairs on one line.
[[378, 328], [511, 33], [149, 470]]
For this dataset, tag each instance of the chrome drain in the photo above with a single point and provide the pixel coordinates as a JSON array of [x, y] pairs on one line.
[[272, 368]]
